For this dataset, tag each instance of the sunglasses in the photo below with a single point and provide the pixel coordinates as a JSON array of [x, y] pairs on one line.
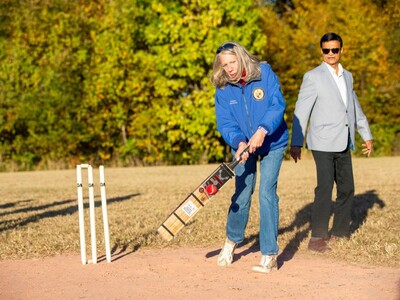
[[225, 47], [327, 50]]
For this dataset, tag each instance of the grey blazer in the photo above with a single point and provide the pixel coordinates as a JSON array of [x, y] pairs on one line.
[[330, 121]]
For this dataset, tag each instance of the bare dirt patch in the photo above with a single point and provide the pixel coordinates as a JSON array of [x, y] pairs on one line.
[[192, 273]]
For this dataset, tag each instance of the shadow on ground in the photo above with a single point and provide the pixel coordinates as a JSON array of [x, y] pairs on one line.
[[301, 227], [46, 211]]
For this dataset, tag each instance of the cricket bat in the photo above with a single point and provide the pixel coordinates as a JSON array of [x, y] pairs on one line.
[[197, 199]]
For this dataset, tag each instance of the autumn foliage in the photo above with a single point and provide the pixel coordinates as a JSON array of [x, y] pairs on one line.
[[126, 82]]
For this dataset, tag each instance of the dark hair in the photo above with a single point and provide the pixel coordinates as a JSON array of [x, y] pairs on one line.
[[330, 36]]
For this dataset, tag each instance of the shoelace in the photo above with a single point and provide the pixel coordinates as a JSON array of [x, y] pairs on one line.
[[265, 260], [227, 250]]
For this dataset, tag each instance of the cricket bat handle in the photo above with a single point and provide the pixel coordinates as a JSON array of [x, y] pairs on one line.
[[234, 163]]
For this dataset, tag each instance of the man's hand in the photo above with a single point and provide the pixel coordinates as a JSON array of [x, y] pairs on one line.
[[368, 147], [295, 153]]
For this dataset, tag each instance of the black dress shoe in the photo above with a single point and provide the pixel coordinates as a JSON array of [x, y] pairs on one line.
[[318, 245]]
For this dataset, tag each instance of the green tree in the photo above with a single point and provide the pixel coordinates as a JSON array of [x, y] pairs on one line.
[[127, 82], [45, 53], [294, 49], [181, 39]]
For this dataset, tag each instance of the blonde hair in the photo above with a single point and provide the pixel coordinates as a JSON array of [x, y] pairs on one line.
[[246, 61]]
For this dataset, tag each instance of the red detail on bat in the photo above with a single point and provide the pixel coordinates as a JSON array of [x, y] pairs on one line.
[[219, 180], [211, 189]]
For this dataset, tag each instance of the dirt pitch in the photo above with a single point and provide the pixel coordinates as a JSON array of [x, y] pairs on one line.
[[193, 274]]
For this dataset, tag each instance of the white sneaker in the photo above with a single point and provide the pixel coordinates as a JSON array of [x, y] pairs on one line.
[[225, 257], [268, 264]]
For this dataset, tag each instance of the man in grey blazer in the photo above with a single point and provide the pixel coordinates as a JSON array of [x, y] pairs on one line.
[[328, 103]]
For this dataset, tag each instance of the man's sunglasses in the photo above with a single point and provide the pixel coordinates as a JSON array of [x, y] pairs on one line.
[[327, 50], [225, 47]]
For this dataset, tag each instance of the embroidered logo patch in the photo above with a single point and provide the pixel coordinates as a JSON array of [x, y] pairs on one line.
[[258, 94]]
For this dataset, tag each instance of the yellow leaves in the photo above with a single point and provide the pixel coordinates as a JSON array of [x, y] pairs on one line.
[[146, 64], [158, 7]]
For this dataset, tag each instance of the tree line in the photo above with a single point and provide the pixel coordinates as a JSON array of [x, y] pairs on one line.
[[127, 82]]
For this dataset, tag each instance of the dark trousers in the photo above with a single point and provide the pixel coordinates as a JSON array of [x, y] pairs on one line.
[[332, 167]]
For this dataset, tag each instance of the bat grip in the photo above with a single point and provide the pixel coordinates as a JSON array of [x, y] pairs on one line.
[[233, 164]]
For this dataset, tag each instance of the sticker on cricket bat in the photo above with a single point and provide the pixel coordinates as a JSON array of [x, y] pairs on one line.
[[189, 208]]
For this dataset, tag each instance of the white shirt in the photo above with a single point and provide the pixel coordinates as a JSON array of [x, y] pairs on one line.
[[340, 82]]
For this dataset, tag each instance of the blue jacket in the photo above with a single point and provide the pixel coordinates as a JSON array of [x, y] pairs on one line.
[[241, 110]]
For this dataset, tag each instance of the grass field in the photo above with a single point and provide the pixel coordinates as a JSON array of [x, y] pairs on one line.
[[39, 216]]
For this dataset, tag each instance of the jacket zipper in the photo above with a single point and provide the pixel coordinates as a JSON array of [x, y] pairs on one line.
[[247, 111]]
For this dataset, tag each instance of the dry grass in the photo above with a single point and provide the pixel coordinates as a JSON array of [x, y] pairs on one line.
[[38, 211]]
